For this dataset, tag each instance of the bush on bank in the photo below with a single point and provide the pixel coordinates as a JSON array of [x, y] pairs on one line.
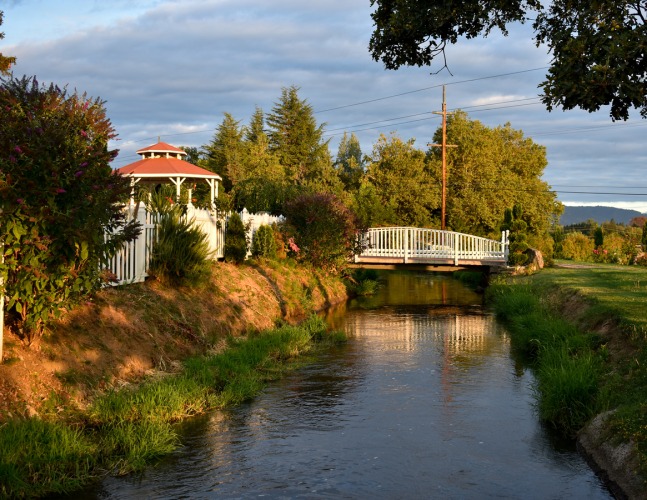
[[124, 430]]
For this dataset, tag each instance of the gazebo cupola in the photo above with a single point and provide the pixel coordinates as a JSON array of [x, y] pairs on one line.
[[163, 163]]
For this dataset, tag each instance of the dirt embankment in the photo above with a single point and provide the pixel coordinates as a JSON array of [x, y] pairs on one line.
[[125, 333]]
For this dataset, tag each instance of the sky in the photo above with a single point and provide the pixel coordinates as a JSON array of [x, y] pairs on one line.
[[171, 68]]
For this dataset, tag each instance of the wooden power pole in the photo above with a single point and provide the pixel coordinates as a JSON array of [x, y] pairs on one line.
[[443, 147]]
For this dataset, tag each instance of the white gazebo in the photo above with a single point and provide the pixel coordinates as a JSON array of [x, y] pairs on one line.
[[162, 163]]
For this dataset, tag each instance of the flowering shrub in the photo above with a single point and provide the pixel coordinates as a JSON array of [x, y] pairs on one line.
[[323, 230], [60, 198]]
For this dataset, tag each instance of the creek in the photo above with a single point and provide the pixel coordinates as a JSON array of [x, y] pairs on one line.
[[426, 400]]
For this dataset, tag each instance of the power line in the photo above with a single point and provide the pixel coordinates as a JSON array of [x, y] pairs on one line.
[[377, 99]]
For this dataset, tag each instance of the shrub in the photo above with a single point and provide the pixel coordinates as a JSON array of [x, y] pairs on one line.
[[181, 251], [264, 244], [576, 246], [324, 230], [61, 202], [236, 242]]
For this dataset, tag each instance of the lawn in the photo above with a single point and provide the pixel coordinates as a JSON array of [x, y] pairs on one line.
[[620, 291]]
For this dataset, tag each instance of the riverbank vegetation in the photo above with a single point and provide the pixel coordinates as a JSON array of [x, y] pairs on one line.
[[123, 430], [584, 331], [101, 390]]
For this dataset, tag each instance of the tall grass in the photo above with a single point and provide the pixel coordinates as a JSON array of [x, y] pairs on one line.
[[567, 363], [124, 430]]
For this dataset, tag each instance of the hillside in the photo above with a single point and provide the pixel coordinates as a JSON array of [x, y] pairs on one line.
[[600, 214]]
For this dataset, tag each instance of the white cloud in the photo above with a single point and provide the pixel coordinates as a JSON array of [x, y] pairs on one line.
[[172, 67]]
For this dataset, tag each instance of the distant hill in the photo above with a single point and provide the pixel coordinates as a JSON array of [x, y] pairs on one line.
[[600, 214]]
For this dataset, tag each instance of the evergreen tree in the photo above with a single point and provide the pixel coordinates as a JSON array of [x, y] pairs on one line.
[[296, 139], [226, 152], [349, 162]]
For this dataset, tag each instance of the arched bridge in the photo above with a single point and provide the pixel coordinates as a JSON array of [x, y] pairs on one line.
[[390, 246]]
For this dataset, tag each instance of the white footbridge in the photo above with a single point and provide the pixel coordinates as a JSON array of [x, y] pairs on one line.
[[389, 246]]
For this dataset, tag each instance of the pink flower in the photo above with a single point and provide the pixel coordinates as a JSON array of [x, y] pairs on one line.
[[293, 246], [60, 191], [12, 158], [18, 149], [84, 164], [79, 173], [84, 133], [20, 201]]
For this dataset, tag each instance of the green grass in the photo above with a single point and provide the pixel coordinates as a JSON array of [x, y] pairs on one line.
[[567, 361], [125, 430], [617, 290], [580, 374]]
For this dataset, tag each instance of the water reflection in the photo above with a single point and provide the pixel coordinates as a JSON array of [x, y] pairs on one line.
[[423, 402]]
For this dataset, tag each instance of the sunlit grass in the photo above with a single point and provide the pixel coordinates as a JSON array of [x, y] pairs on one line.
[[582, 374], [125, 430]]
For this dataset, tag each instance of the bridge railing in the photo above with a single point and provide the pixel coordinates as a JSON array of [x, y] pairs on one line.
[[432, 244]]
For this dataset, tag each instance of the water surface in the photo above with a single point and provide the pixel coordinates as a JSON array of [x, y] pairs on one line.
[[424, 401]]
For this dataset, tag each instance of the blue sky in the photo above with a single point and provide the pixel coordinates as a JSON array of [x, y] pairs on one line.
[[171, 68]]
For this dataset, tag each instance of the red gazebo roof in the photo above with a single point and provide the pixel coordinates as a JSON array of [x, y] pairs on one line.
[[166, 167], [161, 147], [163, 161]]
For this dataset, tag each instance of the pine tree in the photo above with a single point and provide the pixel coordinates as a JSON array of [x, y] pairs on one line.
[[226, 152], [350, 163], [296, 139]]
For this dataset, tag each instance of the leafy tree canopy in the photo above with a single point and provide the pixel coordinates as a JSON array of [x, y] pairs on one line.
[[598, 47], [492, 169], [5, 61], [402, 182]]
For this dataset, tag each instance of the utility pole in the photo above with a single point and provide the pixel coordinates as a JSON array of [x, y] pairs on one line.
[[443, 147]]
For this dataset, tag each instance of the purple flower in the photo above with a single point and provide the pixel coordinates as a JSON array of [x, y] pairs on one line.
[[78, 173], [20, 201], [60, 191], [12, 158], [84, 164], [18, 149]]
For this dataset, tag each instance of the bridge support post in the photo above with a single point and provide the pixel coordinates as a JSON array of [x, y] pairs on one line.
[[405, 238], [456, 249]]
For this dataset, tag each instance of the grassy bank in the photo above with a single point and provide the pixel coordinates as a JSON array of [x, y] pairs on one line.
[[102, 390], [123, 430], [584, 330]]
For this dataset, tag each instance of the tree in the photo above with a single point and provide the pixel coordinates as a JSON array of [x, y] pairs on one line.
[[492, 169], [350, 162], [236, 241], [597, 47], [399, 174], [5, 61], [61, 201], [297, 141], [226, 152], [638, 221]]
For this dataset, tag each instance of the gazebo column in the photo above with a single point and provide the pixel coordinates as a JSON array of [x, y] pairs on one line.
[[213, 184], [133, 183], [178, 183]]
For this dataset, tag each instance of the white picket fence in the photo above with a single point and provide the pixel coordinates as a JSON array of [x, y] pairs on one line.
[[130, 264]]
